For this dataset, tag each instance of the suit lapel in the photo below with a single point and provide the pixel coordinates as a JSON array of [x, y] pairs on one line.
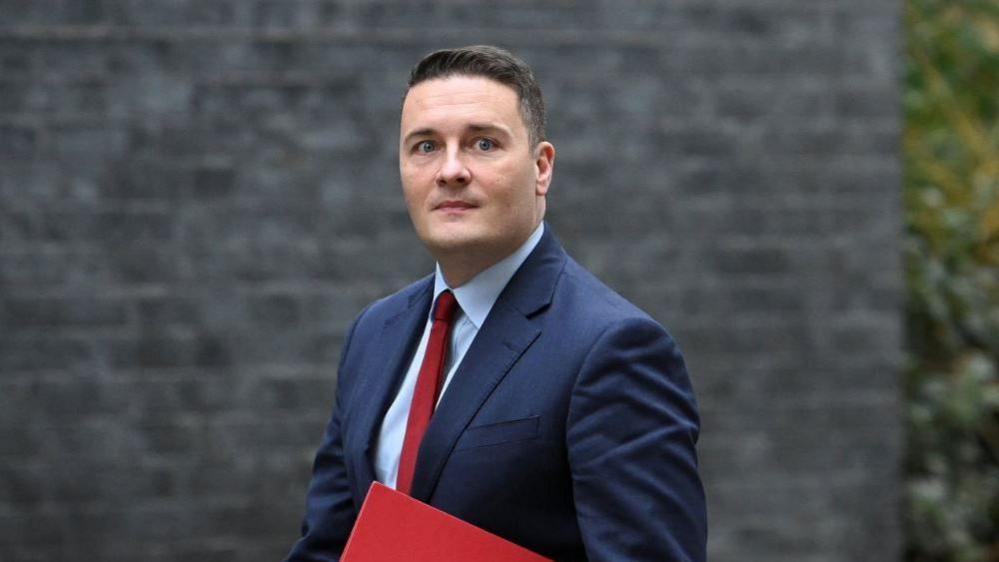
[[400, 335], [507, 333]]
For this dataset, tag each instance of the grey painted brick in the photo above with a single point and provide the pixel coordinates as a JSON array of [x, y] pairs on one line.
[[21, 313], [205, 350], [18, 142], [156, 312], [42, 352]]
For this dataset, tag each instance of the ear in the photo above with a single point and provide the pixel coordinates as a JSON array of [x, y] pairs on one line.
[[544, 164]]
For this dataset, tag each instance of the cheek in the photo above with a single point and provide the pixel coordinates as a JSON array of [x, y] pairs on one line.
[[515, 186], [504, 182], [414, 183], [414, 199], [417, 204]]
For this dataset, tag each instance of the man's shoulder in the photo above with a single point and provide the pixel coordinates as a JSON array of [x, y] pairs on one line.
[[603, 301], [594, 300]]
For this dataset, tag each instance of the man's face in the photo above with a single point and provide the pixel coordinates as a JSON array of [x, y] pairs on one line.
[[474, 186]]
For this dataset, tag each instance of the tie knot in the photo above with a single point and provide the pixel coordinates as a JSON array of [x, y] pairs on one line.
[[444, 309]]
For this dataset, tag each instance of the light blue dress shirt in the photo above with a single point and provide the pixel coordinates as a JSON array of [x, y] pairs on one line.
[[475, 299]]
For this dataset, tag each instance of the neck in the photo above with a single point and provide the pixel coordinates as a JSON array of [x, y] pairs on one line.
[[462, 265], [458, 270]]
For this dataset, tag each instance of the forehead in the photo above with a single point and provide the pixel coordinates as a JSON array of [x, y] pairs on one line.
[[460, 97]]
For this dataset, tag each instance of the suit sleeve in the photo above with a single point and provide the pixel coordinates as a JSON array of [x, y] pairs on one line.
[[631, 435], [329, 506]]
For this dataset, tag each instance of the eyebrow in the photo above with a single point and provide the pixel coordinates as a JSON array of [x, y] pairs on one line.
[[480, 127], [425, 132], [472, 127]]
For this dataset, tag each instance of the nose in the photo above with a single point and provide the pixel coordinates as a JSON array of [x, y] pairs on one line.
[[453, 171]]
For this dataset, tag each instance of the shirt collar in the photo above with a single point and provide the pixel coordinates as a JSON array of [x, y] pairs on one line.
[[477, 297]]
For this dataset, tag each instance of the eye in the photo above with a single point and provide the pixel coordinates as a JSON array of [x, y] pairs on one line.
[[425, 146], [485, 144]]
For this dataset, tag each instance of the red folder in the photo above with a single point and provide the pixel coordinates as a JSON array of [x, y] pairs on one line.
[[394, 527]]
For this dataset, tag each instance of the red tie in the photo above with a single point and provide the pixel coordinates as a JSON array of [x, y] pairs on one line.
[[428, 388]]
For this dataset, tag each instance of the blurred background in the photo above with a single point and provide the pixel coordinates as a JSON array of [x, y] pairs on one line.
[[197, 197]]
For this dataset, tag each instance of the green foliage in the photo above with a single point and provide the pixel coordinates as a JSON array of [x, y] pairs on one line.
[[951, 159]]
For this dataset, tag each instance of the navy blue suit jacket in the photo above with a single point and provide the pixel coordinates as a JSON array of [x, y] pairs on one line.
[[568, 428]]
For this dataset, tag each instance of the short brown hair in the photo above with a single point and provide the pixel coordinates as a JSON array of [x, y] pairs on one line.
[[493, 63]]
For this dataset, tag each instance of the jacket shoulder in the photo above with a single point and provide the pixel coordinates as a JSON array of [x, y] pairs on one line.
[[602, 304]]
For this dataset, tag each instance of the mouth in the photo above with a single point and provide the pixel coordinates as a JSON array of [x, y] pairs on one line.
[[454, 205]]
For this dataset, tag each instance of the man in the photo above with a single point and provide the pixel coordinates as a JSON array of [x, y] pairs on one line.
[[511, 388]]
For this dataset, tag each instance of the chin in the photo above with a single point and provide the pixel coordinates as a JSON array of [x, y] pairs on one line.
[[449, 239]]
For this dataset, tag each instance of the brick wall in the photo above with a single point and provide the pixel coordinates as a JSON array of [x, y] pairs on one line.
[[197, 196]]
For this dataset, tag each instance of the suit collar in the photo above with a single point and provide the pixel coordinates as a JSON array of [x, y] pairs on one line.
[[532, 287]]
